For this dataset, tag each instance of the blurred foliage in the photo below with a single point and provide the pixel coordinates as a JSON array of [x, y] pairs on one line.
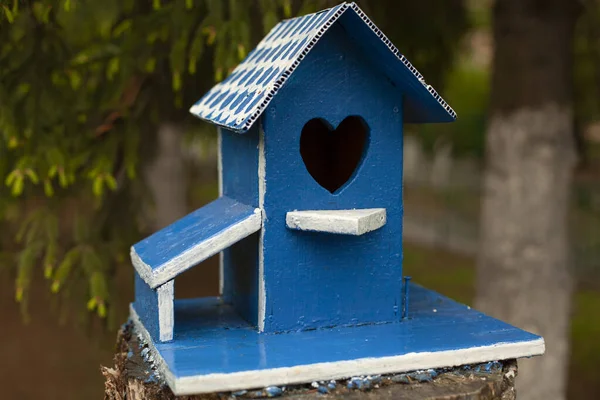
[[428, 32], [467, 86], [587, 64], [83, 86], [467, 90]]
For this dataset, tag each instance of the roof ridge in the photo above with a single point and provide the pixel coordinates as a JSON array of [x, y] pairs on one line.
[[401, 57], [238, 101]]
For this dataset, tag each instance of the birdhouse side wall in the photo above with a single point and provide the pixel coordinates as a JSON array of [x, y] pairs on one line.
[[314, 280], [238, 171]]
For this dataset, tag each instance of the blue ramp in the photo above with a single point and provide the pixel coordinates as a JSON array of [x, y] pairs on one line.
[[194, 238]]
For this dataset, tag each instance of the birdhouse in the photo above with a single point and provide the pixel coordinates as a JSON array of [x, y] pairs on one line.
[[308, 225]]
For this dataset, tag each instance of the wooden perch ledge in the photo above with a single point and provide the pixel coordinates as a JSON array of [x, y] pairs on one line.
[[132, 378]]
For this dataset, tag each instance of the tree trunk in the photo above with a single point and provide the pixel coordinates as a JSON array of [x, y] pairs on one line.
[[523, 275], [166, 177]]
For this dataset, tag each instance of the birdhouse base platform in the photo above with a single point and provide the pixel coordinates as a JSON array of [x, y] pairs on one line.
[[214, 350]]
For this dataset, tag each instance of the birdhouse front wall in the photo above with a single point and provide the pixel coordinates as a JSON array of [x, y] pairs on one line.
[[332, 141]]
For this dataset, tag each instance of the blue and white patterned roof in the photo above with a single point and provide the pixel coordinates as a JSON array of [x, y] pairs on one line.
[[238, 101]]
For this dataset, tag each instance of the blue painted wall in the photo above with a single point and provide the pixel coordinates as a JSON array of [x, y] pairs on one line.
[[312, 279], [146, 306], [240, 181], [239, 154]]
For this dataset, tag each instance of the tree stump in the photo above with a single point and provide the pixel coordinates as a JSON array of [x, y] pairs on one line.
[[131, 378]]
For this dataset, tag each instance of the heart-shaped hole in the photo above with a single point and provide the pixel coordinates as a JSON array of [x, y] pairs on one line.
[[331, 156]]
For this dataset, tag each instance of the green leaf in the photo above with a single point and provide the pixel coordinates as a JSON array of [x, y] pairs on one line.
[[13, 142], [152, 37], [62, 178], [22, 90], [192, 65], [23, 228], [287, 8], [9, 15], [122, 28], [41, 11], [64, 269], [50, 259], [98, 285], [17, 186], [156, 4], [176, 81], [102, 310], [150, 65], [48, 188], [67, 5], [211, 34], [131, 171], [189, 4], [97, 187], [91, 304], [33, 177], [10, 179], [111, 182], [27, 259], [112, 68], [241, 51], [219, 74]]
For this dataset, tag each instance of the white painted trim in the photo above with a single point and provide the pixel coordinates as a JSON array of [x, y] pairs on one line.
[[344, 222], [166, 311], [220, 159], [198, 253], [336, 370], [262, 189], [220, 177]]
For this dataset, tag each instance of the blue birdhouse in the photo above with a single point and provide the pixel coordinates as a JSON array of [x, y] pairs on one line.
[[308, 225]]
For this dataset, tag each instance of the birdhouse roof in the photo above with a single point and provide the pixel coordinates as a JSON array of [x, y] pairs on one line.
[[238, 101]]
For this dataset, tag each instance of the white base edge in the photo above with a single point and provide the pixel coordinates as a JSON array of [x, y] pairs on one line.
[[334, 370]]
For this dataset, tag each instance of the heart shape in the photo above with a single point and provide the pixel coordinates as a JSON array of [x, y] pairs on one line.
[[331, 156]]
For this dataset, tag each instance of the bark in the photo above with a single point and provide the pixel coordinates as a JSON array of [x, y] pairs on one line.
[[166, 177], [523, 272]]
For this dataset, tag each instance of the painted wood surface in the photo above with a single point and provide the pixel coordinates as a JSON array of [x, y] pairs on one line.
[[239, 171], [194, 238], [166, 311], [214, 350], [343, 222], [132, 372], [238, 101], [316, 279], [146, 304]]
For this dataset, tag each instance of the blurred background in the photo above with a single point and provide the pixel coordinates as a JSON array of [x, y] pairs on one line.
[[97, 150]]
